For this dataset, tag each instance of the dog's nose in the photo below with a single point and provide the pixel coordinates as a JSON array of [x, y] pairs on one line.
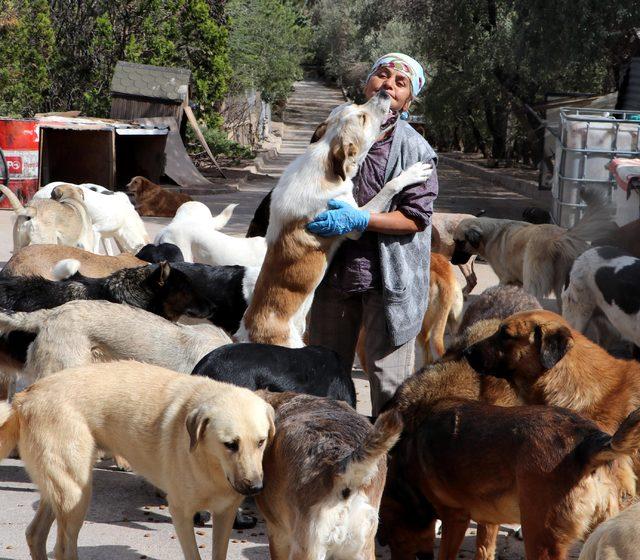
[[249, 488], [383, 94]]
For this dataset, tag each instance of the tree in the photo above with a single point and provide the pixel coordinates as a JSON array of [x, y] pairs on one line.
[[26, 51]]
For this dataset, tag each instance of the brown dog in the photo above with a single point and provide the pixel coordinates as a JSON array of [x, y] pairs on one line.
[[324, 474], [407, 516], [39, 260], [544, 467], [153, 200], [548, 362]]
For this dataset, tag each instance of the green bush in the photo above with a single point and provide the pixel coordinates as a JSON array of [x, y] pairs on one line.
[[218, 142]]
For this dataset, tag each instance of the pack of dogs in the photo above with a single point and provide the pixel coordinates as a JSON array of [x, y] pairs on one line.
[[515, 414]]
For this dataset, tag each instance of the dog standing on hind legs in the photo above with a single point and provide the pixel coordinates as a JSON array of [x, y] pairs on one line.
[[296, 260]]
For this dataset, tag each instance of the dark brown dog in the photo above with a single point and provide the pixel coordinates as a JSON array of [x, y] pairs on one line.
[[625, 238], [544, 467], [407, 516], [153, 200], [324, 474]]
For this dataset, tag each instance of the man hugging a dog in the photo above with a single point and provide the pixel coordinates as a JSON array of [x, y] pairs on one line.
[[380, 282]]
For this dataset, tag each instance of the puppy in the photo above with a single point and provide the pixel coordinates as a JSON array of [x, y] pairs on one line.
[[324, 474], [616, 538], [537, 257], [205, 452], [82, 332], [498, 302], [197, 234], [162, 252], [153, 200], [605, 279], [40, 260], [313, 370], [111, 213], [62, 221], [296, 260], [544, 467]]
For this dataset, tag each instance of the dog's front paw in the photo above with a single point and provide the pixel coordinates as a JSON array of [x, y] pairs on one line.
[[418, 172]]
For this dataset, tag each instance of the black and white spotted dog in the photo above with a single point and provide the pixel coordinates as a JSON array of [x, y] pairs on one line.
[[605, 279]]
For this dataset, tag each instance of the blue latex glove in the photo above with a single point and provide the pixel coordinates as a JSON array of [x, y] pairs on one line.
[[340, 219]]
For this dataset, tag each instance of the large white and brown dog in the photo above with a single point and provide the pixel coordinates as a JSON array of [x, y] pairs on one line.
[[296, 260]]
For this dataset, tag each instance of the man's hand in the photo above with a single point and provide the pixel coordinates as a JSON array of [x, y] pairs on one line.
[[340, 219]]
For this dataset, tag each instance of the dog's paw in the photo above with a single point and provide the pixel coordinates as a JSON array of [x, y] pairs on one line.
[[417, 173]]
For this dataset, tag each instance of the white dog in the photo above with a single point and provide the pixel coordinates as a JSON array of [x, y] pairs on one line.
[[197, 234], [617, 538], [296, 260], [111, 214]]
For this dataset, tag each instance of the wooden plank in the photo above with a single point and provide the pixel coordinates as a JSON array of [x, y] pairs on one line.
[[196, 128]]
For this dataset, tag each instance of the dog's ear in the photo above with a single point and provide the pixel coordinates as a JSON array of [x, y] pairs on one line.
[[473, 237], [164, 270], [553, 344], [271, 413], [197, 421], [342, 156], [319, 132], [56, 194]]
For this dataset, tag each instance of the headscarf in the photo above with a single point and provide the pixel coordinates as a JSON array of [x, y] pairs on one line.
[[404, 64]]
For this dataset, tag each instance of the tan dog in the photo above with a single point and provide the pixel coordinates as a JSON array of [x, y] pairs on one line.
[[444, 225], [198, 440], [296, 260], [82, 332], [615, 539], [548, 362], [324, 476], [537, 257], [60, 220], [39, 260], [153, 200]]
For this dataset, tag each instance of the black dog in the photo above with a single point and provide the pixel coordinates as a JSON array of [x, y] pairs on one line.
[[162, 252], [313, 370]]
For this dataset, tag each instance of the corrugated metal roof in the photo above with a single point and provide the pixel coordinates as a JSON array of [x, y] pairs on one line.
[[155, 82]]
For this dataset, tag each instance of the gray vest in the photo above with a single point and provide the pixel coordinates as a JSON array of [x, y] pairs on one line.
[[405, 259]]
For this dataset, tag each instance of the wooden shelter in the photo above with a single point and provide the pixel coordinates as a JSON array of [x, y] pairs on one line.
[[142, 90]]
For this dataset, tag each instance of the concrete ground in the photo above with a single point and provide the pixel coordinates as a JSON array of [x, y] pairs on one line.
[[127, 520]]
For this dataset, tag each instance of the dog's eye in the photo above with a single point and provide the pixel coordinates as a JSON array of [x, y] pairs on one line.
[[261, 443], [231, 445]]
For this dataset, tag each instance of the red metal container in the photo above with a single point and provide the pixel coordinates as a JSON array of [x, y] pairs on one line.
[[20, 143]]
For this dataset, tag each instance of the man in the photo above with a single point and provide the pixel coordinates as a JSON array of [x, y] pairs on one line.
[[381, 281]]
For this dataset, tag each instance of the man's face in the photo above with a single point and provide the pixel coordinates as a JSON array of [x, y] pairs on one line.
[[396, 84]]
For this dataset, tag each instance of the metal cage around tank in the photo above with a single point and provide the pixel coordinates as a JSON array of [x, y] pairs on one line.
[[589, 140]]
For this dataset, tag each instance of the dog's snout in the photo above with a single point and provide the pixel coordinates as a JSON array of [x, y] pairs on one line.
[[249, 487], [383, 94]]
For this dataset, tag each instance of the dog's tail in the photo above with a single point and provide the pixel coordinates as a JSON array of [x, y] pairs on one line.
[[603, 448], [13, 200], [221, 219], [598, 219], [360, 467], [66, 268], [22, 320], [9, 429]]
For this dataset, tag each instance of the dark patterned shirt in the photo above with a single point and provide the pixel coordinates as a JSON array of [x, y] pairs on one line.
[[356, 265]]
